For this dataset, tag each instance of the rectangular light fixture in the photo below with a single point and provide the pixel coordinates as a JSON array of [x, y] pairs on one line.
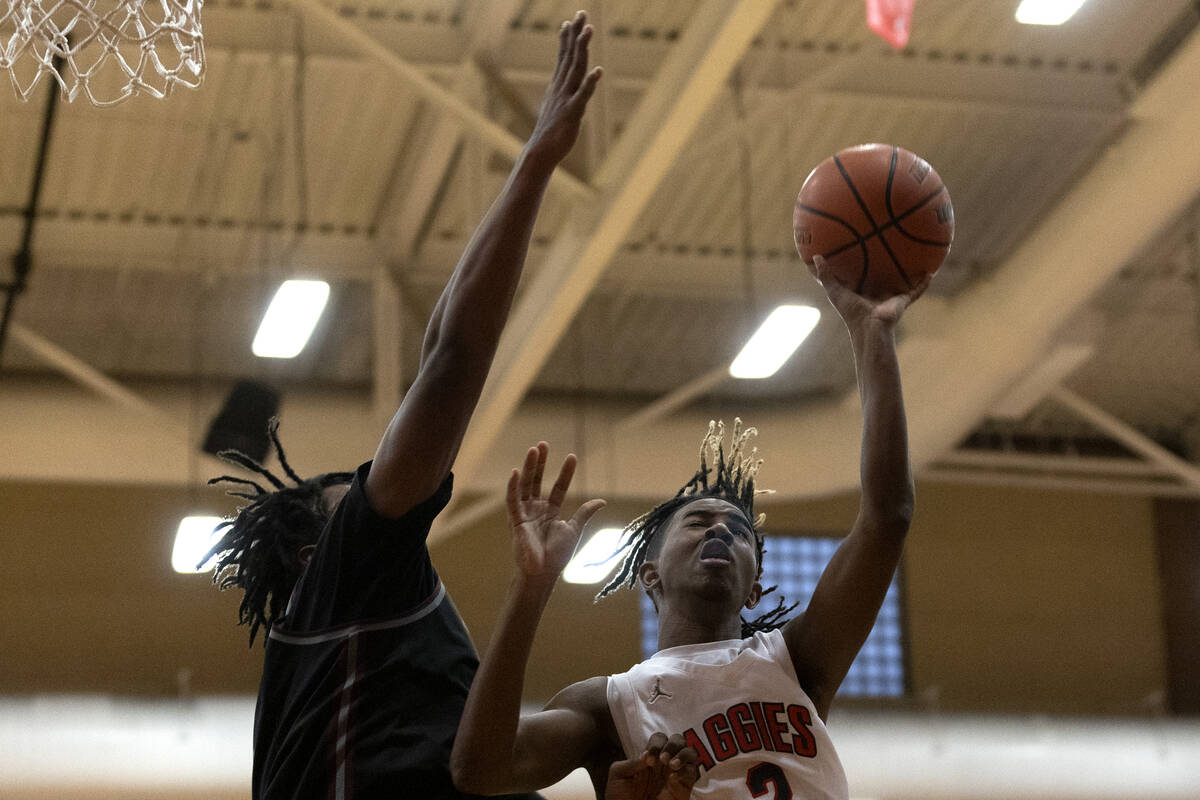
[[775, 341], [1047, 12], [193, 539], [592, 562], [290, 319]]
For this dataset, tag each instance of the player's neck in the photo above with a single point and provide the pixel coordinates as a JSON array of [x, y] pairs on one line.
[[678, 628]]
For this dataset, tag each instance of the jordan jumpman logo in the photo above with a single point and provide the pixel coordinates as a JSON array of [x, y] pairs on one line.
[[657, 691]]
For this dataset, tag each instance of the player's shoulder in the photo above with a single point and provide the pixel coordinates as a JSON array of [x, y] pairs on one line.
[[588, 699], [589, 696]]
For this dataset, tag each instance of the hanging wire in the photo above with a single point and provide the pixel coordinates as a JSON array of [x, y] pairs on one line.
[[737, 90], [301, 140]]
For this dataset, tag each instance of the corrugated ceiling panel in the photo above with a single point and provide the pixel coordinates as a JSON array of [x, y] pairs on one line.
[[1102, 32], [1007, 137], [635, 17], [627, 345], [356, 118]]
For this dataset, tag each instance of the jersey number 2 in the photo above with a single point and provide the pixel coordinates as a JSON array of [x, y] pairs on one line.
[[764, 773]]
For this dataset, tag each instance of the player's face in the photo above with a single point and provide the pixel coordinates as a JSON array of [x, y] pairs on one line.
[[709, 548]]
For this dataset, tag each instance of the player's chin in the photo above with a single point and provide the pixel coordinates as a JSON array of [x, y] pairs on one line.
[[721, 586]]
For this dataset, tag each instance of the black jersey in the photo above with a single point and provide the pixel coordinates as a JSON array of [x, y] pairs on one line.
[[366, 675]]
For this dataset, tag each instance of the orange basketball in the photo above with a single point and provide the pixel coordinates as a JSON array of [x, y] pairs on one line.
[[878, 214]]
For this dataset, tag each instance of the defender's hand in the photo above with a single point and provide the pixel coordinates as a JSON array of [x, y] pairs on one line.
[[558, 121], [666, 770], [542, 541], [857, 310]]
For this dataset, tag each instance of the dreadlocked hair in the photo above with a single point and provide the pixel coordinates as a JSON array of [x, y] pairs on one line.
[[259, 550], [732, 482]]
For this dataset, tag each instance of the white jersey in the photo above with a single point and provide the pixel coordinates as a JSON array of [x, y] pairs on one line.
[[740, 705]]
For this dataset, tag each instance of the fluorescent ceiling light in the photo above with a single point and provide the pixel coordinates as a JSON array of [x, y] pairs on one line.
[[592, 562], [774, 341], [290, 319], [194, 538], [1047, 12]]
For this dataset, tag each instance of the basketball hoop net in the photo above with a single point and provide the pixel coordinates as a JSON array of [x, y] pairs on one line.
[[109, 50]]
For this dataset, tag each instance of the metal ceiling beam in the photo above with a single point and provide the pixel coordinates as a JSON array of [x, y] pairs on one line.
[[91, 378], [460, 519], [676, 399], [1016, 461], [1124, 433], [406, 212], [989, 335], [620, 464], [691, 79], [997, 329], [648, 271], [428, 89], [404, 215], [1097, 484]]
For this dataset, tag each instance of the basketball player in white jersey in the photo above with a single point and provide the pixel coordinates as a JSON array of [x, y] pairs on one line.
[[751, 699]]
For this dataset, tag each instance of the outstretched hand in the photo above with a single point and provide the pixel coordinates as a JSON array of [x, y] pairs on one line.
[[570, 88], [542, 541], [666, 770], [857, 310]]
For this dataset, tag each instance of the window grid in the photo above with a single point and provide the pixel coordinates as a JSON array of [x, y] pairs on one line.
[[795, 564]]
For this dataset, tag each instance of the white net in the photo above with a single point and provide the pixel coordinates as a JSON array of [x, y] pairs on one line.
[[108, 50]]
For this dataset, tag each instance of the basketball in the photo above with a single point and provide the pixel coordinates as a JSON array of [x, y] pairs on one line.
[[879, 215]]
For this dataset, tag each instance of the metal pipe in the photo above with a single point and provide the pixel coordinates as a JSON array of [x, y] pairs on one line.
[[22, 261]]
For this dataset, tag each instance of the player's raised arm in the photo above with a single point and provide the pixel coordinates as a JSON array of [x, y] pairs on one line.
[[418, 448], [497, 750], [825, 640]]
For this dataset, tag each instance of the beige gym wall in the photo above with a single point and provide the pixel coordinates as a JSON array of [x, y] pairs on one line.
[[1017, 600]]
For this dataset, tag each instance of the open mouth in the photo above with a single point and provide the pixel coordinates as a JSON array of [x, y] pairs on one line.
[[715, 552]]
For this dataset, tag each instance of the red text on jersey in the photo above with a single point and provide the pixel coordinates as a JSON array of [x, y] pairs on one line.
[[751, 727]]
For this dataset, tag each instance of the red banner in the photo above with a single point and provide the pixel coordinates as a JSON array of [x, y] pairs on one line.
[[891, 19]]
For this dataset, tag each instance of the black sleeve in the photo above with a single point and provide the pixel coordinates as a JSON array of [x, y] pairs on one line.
[[367, 567]]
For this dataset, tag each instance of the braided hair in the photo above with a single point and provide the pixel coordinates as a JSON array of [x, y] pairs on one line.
[[733, 482], [259, 551]]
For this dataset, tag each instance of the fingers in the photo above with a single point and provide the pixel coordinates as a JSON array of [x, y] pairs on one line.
[[528, 470], [820, 268], [526, 484], [558, 492], [671, 751], [829, 282], [579, 63], [681, 761], [919, 289], [681, 781], [586, 512], [624, 769], [543, 452], [513, 497], [654, 748], [564, 50], [587, 88], [572, 32], [812, 269]]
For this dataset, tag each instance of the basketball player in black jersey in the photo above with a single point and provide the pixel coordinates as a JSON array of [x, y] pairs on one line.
[[367, 663]]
